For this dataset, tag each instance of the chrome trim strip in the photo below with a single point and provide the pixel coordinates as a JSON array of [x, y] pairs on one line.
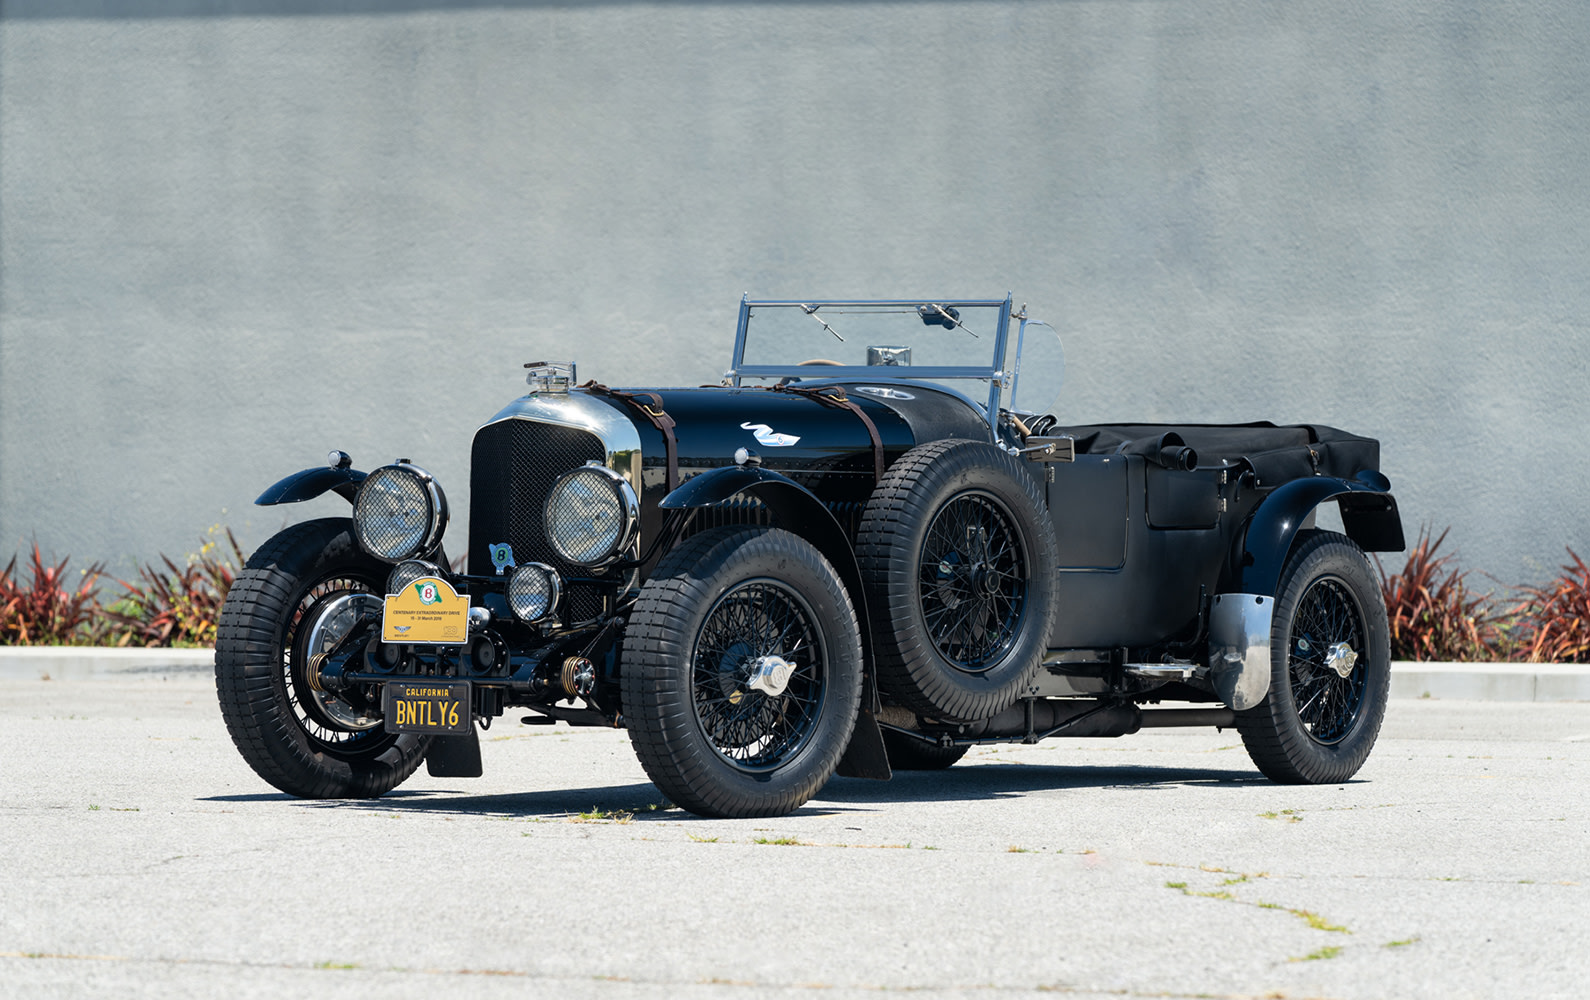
[[1239, 648], [582, 411]]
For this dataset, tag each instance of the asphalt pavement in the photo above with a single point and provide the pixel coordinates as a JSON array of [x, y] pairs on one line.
[[143, 857]]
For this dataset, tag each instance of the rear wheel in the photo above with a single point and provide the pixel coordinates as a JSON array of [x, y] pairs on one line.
[[958, 555], [1330, 667], [305, 593], [741, 672]]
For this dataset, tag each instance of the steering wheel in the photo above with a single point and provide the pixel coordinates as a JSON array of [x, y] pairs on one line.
[[821, 361]]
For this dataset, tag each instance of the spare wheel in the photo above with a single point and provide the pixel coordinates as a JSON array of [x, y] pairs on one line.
[[957, 552]]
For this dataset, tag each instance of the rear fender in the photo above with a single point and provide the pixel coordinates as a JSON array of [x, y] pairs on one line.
[[1369, 516], [310, 483], [1242, 613], [796, 509]]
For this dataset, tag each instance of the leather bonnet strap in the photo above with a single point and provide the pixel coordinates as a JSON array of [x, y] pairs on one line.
[[650, 406], [833, 395]]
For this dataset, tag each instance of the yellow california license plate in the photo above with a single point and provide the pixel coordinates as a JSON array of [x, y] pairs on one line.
[[427, 707]]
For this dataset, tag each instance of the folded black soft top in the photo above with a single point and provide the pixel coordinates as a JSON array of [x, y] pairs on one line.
[[1276, 453]]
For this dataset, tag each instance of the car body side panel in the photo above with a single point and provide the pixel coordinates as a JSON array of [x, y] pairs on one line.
[[825, 448], [1124, 581]]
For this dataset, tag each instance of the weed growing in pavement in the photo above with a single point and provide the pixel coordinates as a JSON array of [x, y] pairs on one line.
[[1330, 951], [1309, 917]]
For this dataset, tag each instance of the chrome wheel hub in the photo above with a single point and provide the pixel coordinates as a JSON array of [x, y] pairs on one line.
[[1341, 658], [330, 628], [770, 675]]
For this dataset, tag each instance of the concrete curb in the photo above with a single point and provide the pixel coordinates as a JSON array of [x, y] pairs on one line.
[[72, 663], [1492, 681], [1458, 681]]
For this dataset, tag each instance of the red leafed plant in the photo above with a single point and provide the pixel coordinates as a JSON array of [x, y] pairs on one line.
[[1432, 613], [1556, 618], [177, 605], [45, 611]]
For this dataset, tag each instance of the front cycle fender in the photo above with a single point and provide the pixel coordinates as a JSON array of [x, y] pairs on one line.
[[311, 483]]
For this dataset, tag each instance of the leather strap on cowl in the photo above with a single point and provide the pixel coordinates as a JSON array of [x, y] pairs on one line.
[[650, 406], [833, 395]]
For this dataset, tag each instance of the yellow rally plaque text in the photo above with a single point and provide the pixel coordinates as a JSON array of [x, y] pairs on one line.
[[428, 610]]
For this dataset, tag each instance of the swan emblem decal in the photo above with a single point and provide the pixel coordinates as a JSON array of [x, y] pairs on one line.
[[768, 437]]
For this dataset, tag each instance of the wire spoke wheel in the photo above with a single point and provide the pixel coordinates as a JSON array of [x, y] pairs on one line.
[[742, 672], [1330, 666], [972, 582], [1328, 620], [308, 593], [957, 552], [752, 729], [319, 617]]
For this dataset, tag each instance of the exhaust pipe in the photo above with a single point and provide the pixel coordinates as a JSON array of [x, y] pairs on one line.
[[1057, 716], [1064, 717]]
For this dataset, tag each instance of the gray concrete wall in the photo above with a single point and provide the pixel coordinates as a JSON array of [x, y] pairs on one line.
[[235, 235]]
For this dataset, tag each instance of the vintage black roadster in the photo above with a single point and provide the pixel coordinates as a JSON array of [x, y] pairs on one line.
[[864, 550]]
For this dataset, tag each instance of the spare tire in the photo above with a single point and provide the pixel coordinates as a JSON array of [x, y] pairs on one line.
[[958, 556]]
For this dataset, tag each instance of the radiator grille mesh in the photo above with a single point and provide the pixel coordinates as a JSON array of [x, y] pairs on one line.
[[512, 468]]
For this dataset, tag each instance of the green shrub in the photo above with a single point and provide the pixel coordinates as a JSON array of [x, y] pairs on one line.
[[176, 605], [1555, 619], [1432, 613], [46, 611]]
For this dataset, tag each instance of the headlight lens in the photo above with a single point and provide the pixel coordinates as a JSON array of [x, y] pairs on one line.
[[406, 572], [533, 591], [591, 515], [400, 512]]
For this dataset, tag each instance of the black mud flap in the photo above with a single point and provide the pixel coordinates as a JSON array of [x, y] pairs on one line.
[[459, 756], [866, 757]]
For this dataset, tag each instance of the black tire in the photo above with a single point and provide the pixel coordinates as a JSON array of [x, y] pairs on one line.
[[716, 606], [906, 753], [306, 743], [958, 556], [1316, 726]]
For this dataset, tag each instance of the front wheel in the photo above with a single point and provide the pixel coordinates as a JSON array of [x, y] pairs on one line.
[[741, 672], [1330, 667], [308, 592]]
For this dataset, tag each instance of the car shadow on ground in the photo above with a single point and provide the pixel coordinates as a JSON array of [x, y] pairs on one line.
[[997, 781], [636, 801], [642, 801]]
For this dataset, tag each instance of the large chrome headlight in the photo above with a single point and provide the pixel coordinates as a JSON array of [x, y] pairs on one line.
[[400, 512], [591, 515]]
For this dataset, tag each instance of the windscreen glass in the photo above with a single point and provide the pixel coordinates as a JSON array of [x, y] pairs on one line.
[[1041, 370], [899, 336]]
